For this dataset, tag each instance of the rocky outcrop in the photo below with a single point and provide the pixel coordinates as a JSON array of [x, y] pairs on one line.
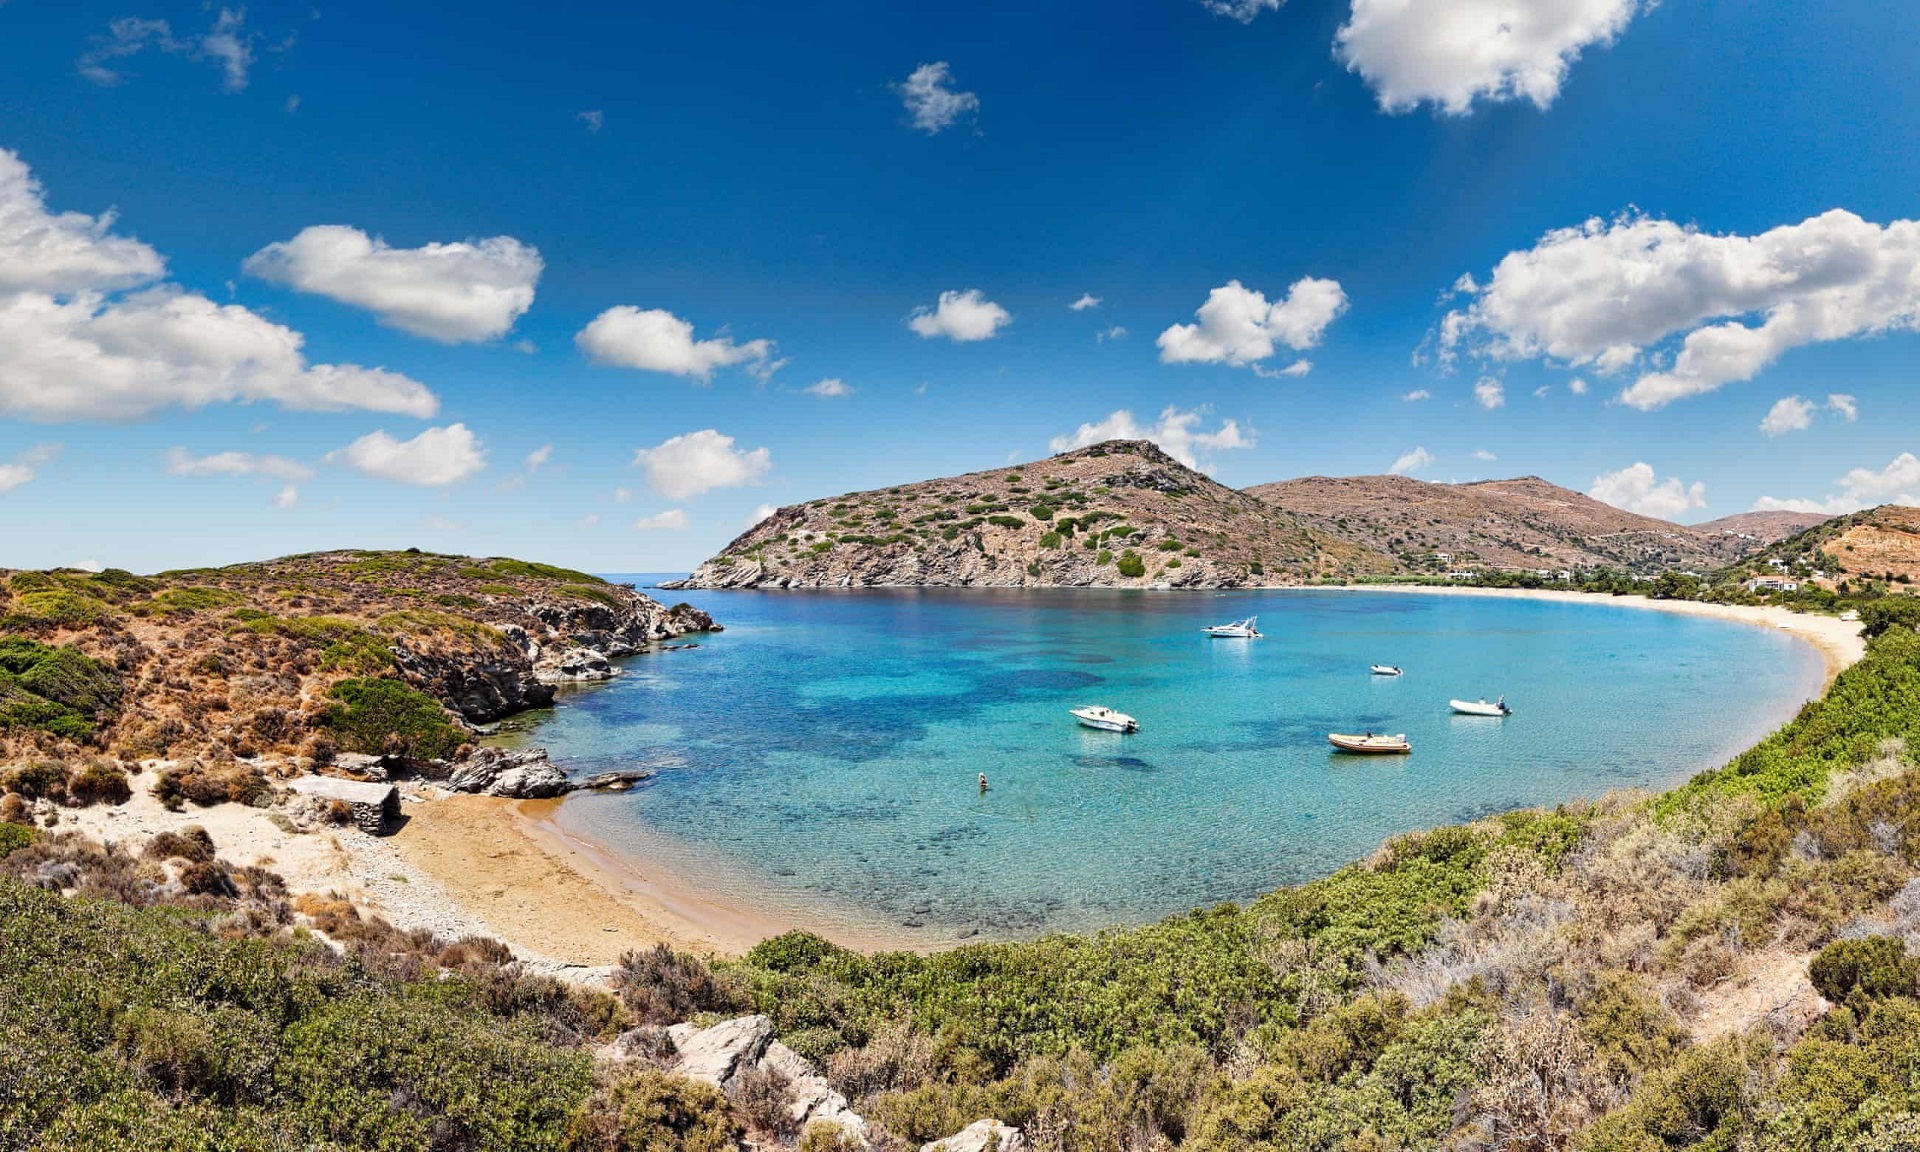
[[527, 775], [720, 1054], [1122, 514], [980, 1136]]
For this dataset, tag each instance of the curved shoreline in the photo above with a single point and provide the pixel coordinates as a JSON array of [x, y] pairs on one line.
[[513, 870]]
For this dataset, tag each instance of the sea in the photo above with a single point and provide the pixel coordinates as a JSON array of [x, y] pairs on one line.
[[820, 758]]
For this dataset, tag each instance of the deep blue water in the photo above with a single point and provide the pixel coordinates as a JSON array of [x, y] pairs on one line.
[[820, 756]]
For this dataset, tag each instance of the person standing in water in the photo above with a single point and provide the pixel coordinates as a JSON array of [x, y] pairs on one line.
[[983, 781]]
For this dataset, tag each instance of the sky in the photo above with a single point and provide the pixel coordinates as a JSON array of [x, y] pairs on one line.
[[600, 284]]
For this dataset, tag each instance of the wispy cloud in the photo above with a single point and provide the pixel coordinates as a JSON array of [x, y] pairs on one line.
[[931, 99]]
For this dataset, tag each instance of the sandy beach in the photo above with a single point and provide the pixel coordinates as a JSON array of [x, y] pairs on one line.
[[480, 865]]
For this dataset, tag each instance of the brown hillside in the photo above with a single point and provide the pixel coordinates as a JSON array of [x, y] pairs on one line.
[[1521, 523], [1118, 514], [1763, 527]]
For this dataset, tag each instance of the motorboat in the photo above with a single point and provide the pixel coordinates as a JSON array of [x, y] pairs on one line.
[[1238, 630], [1370, 744], [1106, 719], [1480, 707], [1386, 670]]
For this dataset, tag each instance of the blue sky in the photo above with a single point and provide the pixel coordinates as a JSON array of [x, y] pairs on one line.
[[423, 274]]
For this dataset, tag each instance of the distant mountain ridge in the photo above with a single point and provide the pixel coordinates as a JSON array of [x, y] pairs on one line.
[[1766, 527], [1126, 514]]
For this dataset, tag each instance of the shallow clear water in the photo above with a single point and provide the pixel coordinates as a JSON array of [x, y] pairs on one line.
[[819, 757]]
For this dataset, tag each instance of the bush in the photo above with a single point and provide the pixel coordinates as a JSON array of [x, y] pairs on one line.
[[36, 780], [1131, 564], [385, 717], [1875, 967], [661, 986], [207, 785], [14, 837], [57, 690], [99, 782], [190, 843], [1889, 612]]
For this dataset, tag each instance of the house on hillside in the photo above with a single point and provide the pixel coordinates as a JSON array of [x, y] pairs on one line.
[[1772, 584]]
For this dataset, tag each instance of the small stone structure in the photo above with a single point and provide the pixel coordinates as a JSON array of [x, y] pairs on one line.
[[375, 807]]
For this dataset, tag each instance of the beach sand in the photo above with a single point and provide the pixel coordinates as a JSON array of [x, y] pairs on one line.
[[481, 865]]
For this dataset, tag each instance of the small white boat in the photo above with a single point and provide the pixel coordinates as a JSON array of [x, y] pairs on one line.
[[1106, 719], [1386, 670], [1369, 744], [1238, 630], [1480, 707]]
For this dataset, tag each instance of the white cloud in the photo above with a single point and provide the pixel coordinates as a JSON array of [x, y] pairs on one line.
[[1241, 10], [78, 342], [287, 497], [539, 458], [591, 519], [593, 118], [829, 388], [655, 340], [1845, 405], [961, 317], [1540, 393], [89, 566], [622, 495], [24, 467], [931, 100], [1788, 414], [1483, 454], [1411, 462], [226, 44], [1897, 483], [1577, 386], [1612, 295], [1239, 327], [181, 462], [1176, 432], [1637, 489], [1452, 52], [1418, 394], [457, 292], [1299, 367], [1489, 393], [1087, 300], [1114, 333], [761, 512], [433, 459], [672, 520], [697, 462]]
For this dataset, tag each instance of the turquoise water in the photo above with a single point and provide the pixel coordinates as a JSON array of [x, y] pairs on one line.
[[819, 758]]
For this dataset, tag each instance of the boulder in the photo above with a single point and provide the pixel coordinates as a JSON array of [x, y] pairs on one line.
[[813, 1099], [573, 666], [527, 775], [980, 1136], [716, 1055]]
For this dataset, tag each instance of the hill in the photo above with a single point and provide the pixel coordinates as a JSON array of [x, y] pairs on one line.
[[1877, 549], [251, 660], [1522, 523], [1763, 527], [1118, 514]]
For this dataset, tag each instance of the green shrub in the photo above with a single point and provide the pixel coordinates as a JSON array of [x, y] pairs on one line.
[[58, 690], [194, 598], [1131, 564], [1007, 521], [1050, 540], [1041, 511], [507, 567], [380, 717], [1888, 612], [14, 837], [1874, 968]]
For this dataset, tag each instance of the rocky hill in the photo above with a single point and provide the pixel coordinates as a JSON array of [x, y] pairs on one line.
[[1118, 514], [1763, 527], [250, 661], [1522, 523], [1877, 546]]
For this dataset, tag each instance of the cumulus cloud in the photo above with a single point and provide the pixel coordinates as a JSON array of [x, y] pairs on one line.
[[433, 459], [1451, 53], [87, 333], [1241, 10], [1577, 386], [1417, 394], [181, 462], [1237, 325], [1897, 483], [1847, 407], [1299, 367], [226, 44], [287, 497], [1177, 432], [655, 340], [1411, 462], [931, 99], [1788, 414], [1489, 393], [829, 388], [1693, 311], [1087, 300], [672, 520], [685, 466], [761, 512], [1638, 489], [961, 317], [455, 293], [24, 467]]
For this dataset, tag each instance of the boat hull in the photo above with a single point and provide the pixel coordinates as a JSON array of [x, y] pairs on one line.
[[1479, 708], [1104, 725], [1369, 745]]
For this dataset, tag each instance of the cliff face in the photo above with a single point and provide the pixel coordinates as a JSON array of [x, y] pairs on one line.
[[244, 658], [1521, 523], [1119, 514]]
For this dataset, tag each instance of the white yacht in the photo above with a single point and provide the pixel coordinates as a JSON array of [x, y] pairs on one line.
[[1106, 719], [1238, 630]]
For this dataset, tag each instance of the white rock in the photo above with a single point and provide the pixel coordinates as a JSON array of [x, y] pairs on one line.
[[978, 1136], [716, 1055]]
